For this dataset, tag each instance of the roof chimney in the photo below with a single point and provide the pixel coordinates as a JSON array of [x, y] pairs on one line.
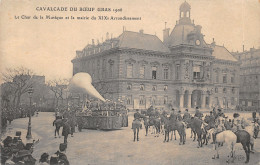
[[93, 42], [166, 34], [243, 48], [213, 42], [141, 31]]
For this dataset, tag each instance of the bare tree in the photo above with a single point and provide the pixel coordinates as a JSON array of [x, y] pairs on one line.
[[19, 80], [58, 88]]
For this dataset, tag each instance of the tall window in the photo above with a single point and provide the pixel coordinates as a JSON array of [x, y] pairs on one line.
[[129, 71], [232, 101], [177, 74], [129, 86], [154, 100], [196, 72], [165, 88], [166, 73], [129, 99], [165, 100], [216, 90], [142, 71], [233, 90], [110, 70], [154, 70], [225, 78], [224, 90], [142, 87], [141, 100], [154, 88]]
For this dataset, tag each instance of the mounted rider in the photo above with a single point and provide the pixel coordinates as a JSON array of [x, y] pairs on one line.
[[178, 116], [173, 115], [238, 123], [186, 115], [198, 114]]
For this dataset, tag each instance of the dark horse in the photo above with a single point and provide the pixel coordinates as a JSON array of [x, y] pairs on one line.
[[172, 125], [152, 122], [136, 125], [58, 124], [196, 126]]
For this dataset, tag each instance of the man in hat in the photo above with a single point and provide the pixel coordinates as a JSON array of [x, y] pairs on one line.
[[186, 115], [178, 116], [238, 122], [219, 127], [137, 115], [211, 116], [198, 114], [66, 129], [61, 154], [173, 115], [44, 160]]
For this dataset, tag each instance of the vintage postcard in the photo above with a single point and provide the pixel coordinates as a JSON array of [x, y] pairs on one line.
[[136, 82]]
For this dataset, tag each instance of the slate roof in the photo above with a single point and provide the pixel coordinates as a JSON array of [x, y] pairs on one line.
[[220, 52], [129, 39]]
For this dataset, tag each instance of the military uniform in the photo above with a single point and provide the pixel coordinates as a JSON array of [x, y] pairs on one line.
[[137, 115], [186, 116], [178, 116], [238, 124]]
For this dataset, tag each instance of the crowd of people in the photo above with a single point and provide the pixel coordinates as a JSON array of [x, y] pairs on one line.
[[8, 114]]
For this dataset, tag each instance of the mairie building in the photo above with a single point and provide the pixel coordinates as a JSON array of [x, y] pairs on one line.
[[182, 71]]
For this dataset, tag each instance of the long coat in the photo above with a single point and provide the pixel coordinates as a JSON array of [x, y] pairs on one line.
[[66, 129]]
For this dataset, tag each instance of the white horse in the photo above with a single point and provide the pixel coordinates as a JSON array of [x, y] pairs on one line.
[[230, 138]]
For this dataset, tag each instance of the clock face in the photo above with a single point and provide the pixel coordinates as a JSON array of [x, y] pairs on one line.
[[197, 42]]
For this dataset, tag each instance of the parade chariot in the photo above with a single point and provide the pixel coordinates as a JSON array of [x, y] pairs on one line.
[[103, 120]]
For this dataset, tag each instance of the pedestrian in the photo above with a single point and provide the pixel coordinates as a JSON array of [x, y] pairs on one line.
[[44, 160], [61, 154], [65, 130]]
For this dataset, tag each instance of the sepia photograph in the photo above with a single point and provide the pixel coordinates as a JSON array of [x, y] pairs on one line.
[[130, 82]]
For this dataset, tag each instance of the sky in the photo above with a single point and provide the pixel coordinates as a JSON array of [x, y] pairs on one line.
[[48, 46]]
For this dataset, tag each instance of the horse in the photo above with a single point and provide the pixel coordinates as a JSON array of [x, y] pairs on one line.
[[152, 122], [196, 127], [58, 124], [136, 125], [172, 125], [252, 129], [231, 138]]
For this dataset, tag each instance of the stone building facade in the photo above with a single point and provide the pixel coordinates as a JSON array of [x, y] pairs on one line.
[[181, 71], [249, 92]]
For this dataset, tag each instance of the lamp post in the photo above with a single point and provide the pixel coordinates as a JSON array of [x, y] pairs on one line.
[[29, 130]]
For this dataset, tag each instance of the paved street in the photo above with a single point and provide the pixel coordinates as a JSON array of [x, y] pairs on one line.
[[117, 147]]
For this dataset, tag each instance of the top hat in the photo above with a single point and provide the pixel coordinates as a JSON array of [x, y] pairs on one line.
[[219, 110], [63, 146], [210, 112], [236, 115], [197, 107], [179, 111], [173, 109], [44, 156], [18, 133], [186, 110]]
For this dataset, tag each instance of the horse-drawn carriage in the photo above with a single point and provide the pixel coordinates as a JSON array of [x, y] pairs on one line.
[[103, 119]]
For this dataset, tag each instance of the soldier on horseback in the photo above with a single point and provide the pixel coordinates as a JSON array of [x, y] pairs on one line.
[[198, 114], [178, 116], [238, 123], [186, 115]]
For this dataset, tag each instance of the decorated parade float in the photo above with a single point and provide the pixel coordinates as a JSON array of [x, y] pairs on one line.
[[97, 113]]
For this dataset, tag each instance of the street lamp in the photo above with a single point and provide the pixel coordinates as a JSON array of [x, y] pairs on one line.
[[29, 131]]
